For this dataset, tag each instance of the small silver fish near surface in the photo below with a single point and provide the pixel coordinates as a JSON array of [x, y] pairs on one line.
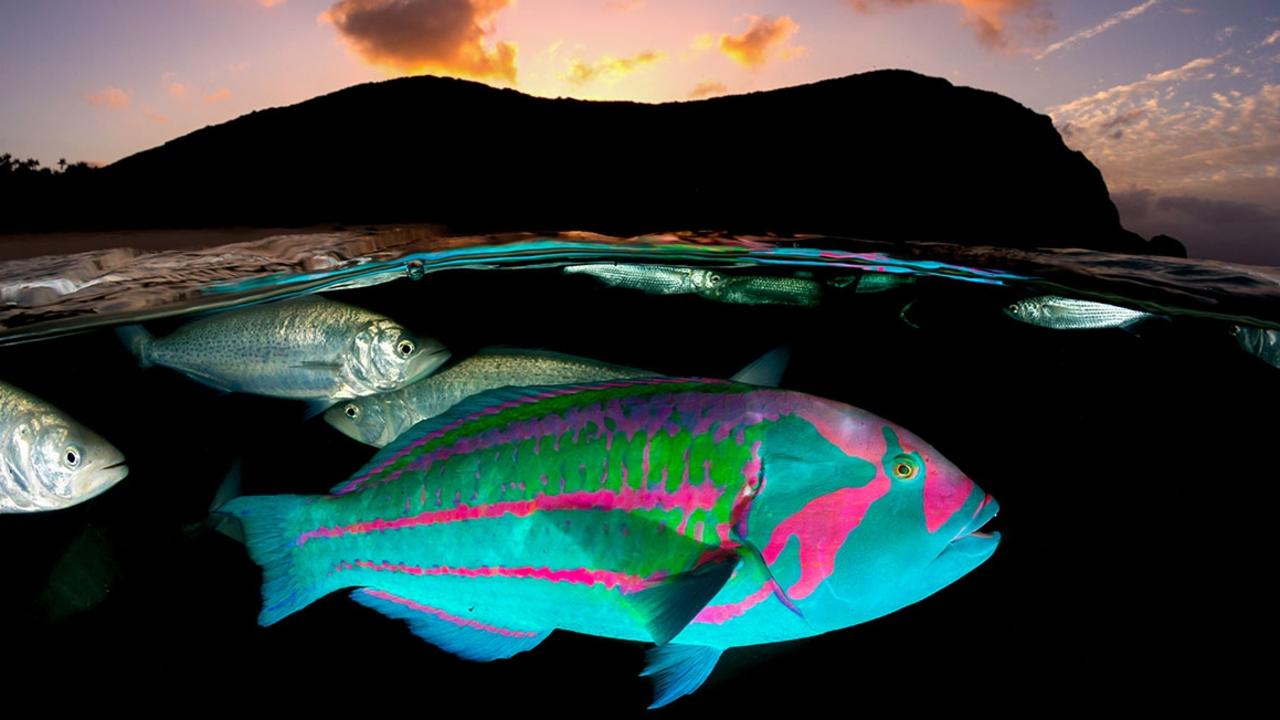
[[707, 283], [309, 348], [766, 290], [48, 461], [1064, 313], [1262, 343], [653, 279]]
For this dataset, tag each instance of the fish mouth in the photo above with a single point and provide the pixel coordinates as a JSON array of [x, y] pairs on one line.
[[101, 480], [972, 540], [987, 510], [426, 362]]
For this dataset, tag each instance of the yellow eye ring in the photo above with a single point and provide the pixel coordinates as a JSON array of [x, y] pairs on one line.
[[905, 468]]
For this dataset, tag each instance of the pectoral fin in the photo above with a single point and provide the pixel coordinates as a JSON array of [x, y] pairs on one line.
[[671, 605], [752, 555]]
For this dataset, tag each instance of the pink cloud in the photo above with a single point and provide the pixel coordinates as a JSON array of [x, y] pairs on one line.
[[707, 89], [155, 117], [217, 96], [110, 97], [990, 19]]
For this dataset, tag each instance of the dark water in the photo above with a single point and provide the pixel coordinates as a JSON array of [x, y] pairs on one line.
[[1135, 473]]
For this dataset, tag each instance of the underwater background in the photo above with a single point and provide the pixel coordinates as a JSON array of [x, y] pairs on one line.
[[1133, 468]]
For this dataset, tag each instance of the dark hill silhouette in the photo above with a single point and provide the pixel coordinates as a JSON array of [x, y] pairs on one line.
[[883, 155]]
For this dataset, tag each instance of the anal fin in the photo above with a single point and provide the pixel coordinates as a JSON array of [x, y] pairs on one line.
[[678, 670], [465, 637]]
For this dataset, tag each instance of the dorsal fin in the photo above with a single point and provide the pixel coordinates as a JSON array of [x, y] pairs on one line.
[[766, 370]]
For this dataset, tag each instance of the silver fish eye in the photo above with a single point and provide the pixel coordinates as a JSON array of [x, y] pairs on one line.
[[71, 457], [405, 348], [352, 411]]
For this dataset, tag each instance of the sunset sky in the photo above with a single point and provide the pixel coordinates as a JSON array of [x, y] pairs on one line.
[[1176, 101]]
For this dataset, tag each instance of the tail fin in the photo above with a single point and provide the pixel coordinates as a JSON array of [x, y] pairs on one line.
[[137, 339], [270, 528]]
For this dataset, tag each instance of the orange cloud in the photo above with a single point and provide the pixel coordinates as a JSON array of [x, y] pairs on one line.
[[178, 90], [154, 116], [623, 5], [707, 89], [271, 3], [446, 36], [110, 97], [990, 19], [610, 68], [217, 96], [763, 40]]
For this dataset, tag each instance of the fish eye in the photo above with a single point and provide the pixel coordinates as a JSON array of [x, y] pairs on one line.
[[352, 411], [71, 457], [1013, 309], [905, 467], [405, 348]]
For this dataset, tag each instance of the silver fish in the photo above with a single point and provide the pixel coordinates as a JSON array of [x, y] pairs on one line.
[[47, 460], [676, 280], [308, 348], [873, 282], [378, 419], [766, 290], [1063, 313], [1263, 343], [653, 279]]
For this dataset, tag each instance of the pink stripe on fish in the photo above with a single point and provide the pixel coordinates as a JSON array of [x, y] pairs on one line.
[[687, 498], [537, 427], [461, 622], [822, 527], [626, 584], [944, 495], [720, 614]]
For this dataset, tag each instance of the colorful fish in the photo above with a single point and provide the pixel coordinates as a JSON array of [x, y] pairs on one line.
[[700, 515]]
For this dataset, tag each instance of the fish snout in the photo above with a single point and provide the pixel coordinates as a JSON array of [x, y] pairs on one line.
[[106, 468], [431, 355], [987, 510]]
